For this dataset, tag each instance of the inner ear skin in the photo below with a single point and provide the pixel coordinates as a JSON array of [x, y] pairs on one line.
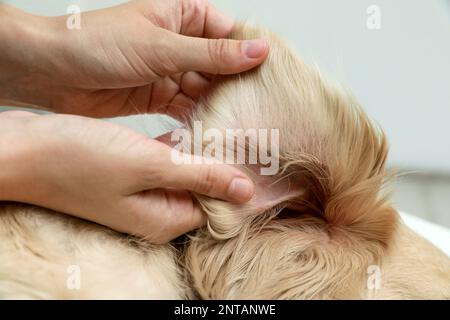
[[272, 191]]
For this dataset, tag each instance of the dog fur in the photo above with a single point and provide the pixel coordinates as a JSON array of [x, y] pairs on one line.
[[311, 232]]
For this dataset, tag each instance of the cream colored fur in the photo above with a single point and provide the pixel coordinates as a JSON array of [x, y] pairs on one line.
[[312, 233]]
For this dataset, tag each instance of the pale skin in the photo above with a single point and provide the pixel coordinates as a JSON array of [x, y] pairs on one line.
[[148, 56]]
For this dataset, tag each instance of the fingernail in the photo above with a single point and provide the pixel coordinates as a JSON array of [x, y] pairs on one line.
[[255, 48], [240, 190]]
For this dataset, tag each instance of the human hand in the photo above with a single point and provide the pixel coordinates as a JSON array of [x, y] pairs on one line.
[[147, 56], [131, 186]]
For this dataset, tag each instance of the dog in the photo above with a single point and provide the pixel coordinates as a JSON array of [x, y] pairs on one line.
[[321, 228]]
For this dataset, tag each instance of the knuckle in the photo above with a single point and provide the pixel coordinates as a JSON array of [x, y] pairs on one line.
[[194, 16], [160, 239], [206, 181], [217, 50], [164, 57], [195, 8], [149, 167]]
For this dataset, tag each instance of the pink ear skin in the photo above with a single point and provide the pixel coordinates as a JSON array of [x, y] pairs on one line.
[[271, 190]]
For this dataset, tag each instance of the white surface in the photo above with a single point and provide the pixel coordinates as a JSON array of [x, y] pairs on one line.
[[436, 234]]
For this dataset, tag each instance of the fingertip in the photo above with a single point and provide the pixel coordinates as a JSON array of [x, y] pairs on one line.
[[188, 220], [194, 85], [252, 54], [255, 49], [241, 190], [235, 56]]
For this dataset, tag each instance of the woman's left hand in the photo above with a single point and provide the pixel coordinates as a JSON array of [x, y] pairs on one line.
[[146, 56]]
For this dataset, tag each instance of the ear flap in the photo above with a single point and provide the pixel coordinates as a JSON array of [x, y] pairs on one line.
[[272, 194], [272, 191]]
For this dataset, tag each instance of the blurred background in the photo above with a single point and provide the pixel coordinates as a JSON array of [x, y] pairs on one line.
[[400, 72]]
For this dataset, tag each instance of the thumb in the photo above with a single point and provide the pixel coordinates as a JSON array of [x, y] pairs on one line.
[[215, 180], [215, 56]]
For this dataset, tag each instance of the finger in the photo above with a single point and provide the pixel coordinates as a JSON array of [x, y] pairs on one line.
[[180, 108], [201, 19], [169, 97], [217, 181], [216, 56], [162, 92], [217, 24], [194, 85], [165, 214], [176, 95], [195, 174]]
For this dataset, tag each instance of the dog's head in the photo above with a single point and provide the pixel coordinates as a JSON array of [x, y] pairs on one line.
[[318, 222]]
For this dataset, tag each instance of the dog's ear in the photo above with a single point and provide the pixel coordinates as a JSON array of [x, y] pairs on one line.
[[272, 191], [272, 194], [312, 229]]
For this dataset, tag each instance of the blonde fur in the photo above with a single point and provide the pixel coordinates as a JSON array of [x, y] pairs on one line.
[[320, 242], [312, 233]]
